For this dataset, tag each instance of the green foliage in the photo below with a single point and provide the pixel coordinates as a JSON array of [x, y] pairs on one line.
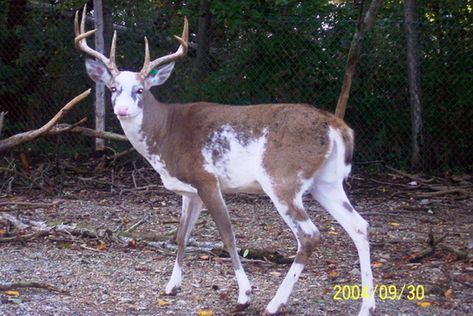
[[272, 51]]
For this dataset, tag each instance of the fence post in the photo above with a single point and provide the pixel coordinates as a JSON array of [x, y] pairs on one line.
[[99, 87]]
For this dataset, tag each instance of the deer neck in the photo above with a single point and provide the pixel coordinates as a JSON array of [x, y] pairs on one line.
[[147, 131]]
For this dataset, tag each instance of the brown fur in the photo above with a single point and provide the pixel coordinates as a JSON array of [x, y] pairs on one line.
[[297, 138]]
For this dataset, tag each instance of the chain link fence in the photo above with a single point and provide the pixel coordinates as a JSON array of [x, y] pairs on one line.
[[287, 59]]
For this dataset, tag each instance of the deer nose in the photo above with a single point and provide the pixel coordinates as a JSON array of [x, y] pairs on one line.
[[121, 111]]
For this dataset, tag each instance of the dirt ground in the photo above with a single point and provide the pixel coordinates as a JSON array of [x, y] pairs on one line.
[[105, 277]]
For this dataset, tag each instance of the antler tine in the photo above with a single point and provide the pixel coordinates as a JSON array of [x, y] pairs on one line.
[[81, 43], [113, 48], [180, 53], [145, 70]]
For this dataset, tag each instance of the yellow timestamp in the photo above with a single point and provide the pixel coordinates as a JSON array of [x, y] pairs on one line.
[[384, 292]]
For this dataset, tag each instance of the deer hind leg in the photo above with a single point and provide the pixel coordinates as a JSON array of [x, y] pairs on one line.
[[211, 195], [191, 207], [332, 197], [307, 235]]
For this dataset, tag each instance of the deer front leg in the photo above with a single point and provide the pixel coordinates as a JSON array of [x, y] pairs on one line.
[[212, 198], [191, 207]]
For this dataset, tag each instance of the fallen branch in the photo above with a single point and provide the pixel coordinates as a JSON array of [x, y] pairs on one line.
[[432, 244], [115, 156], [136, 225], [24, 137], [164, 243], [25, 177], [62, 128], [444, 192], [29, 204], [461, 255], [256, 254], [27, 284]]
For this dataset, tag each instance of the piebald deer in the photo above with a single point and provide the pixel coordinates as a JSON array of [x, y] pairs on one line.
[[203, 150]]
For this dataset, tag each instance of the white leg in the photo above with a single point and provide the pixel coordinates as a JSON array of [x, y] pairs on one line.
[[333, 198], [285, 289], [307, 236], [191, 207], [244, 287]]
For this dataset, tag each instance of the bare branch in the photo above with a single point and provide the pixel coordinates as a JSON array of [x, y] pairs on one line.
[[24, 137], [61, 128], [355, 48]]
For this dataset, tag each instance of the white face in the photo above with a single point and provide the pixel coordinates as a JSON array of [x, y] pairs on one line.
[[127, 94], [127, 88]]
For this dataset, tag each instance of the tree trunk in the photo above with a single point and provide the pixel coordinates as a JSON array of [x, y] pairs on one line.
[[411, 22], [203, 57], [99, 87]]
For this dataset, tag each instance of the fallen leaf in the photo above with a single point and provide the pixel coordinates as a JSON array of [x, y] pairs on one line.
[[102, 247], [2, 232], [449, 293], [423, 304], [333, 273], [12, 293], [163, 303], [332, 233], [204, 257], [394, 224], [204, 312], [223, 296], [132, 244], [275, 273], [377, 264], [245, 253]]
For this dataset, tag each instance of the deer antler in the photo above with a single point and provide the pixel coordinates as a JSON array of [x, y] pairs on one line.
[[81, 43], [181, 52]]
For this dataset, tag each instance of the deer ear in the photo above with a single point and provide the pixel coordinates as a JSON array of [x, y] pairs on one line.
[[159, 75], [98, 72]]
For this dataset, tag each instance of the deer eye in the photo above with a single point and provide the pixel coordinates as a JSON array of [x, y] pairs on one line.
[[139, 91], [113, 89]]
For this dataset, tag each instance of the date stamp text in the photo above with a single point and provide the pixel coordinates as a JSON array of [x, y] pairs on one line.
[[391, 292]]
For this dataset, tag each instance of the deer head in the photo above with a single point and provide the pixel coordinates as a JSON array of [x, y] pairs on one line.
[[127, 88]]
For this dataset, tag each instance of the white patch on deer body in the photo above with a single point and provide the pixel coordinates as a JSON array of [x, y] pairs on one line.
[[285, 289], [176, 279], [239, 161], [334, 168], [244, 286]]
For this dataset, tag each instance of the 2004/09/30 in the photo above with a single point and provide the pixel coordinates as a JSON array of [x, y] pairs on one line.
[[383, 292]]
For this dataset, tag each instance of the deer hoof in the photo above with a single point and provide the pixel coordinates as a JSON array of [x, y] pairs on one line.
[[238, 308], [281, 311], [173, 292]]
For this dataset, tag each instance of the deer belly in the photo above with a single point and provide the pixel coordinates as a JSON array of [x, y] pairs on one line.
[[238, 183]]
